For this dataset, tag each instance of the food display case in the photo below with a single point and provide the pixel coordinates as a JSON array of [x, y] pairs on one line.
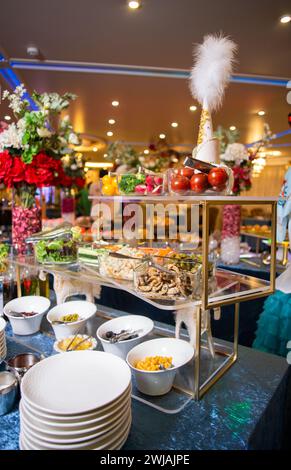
[[202, 292]]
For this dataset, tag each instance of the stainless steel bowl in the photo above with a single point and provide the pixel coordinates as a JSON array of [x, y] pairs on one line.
[[21, 363], [8, 391]]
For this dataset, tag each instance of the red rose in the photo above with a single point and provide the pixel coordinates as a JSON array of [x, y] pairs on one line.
[[5, 164], [79, 182]]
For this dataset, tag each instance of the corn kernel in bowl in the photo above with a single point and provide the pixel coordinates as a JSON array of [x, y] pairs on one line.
[[63, 344], [154, 363]]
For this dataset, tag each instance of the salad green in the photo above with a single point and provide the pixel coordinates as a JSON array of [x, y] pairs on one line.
[[128, 182], [56, 251], [4, 250]]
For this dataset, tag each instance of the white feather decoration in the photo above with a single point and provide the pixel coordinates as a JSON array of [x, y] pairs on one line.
[[212, 70]]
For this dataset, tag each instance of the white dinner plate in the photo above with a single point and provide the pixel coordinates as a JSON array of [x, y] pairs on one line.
[[78, 420], [97, 444], [64, 440], [64, 436], [75, 383], [117, 445], [72, 428]]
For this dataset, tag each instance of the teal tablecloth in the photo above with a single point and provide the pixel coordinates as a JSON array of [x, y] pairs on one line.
[[249, 408]]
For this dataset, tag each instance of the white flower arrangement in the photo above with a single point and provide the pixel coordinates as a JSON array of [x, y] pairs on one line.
[[36, 130], [11, 137], [235, 153]]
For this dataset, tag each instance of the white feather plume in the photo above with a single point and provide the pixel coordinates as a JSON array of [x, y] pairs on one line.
[[212, 70]]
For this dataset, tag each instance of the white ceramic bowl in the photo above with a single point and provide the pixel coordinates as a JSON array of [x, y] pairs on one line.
[[83, 337], [29, 303], [128, 322], [85, 309], [159, 382]]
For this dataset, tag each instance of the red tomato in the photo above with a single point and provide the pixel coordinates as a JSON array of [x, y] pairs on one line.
[[180, 184], [199, 182], [188, 172], [217, 177]]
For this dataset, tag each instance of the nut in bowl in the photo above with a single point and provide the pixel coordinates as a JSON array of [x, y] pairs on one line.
[[119, 335], [25, 313], [75, 343], [154, 363], [61, 316]]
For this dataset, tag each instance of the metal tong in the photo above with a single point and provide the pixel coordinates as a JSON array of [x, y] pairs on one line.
[[59, 231], [124, 335]]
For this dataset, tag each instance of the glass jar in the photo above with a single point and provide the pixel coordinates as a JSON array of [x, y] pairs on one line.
[[230, 236], [26, 216]]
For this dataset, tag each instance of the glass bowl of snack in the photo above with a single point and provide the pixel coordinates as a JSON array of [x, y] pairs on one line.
[[75, 343], [141, 184], [59, 246], [209, 179], [120, 264], [154, 363], [109, 185]]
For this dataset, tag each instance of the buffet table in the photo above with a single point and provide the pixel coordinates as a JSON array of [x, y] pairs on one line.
[[246, 409]]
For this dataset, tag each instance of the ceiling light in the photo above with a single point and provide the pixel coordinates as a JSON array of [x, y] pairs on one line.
[[162, 136], [111, 121], [174, 124], [95, 149], [110, 133], [146, 151], [98, 165], [134, 4], [232, 128], [193, 108], [115, 103], [285, 19], [261, 113], [7, 118]]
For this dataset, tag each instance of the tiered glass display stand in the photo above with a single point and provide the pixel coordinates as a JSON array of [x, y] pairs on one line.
[[196, 378]]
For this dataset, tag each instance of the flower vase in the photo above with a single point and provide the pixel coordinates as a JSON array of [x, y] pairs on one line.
[[68, 205], [26, 217], [230, 236]]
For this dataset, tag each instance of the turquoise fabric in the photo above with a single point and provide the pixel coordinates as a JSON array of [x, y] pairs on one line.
[[274, 325]]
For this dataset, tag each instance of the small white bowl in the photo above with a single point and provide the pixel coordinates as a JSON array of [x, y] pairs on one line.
[[159, 382], [83, 308], [128, 322], [93, 343], [29, 303]]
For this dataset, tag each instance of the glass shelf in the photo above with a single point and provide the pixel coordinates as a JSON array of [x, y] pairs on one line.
[[177, 198], [230, 286]]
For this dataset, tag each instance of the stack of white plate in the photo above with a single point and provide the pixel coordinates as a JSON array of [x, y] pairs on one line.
[[76, 400], [3, 348]]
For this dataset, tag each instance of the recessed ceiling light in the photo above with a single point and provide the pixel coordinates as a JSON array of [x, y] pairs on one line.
[[134, 4], [193, 108], [95, 149], [162, 136], [110, 133], [115, 103], [261, 113], [146, 151], [7, 118], [111, 121], [285, 19], [174, 124], [105, 155], [232, 128]]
